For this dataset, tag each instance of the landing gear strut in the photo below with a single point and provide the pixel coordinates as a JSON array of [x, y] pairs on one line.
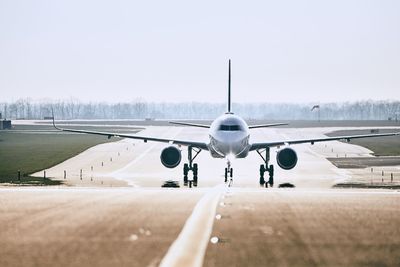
[[187, 167], [265, 168], [229, 173]]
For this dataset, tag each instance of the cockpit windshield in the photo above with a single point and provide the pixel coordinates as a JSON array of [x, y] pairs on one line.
[[230, 127]]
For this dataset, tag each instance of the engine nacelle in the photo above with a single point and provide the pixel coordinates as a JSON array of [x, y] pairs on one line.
[[170, 157], [286, 158]]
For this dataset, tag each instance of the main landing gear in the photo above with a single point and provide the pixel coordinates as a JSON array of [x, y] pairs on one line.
[[265, 168], [187, 167]]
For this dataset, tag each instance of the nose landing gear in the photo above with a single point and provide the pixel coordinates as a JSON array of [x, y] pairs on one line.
[[229, 173]]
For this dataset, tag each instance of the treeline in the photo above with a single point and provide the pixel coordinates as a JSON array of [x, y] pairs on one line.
[[74, 109]]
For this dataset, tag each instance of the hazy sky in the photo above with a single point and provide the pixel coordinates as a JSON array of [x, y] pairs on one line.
[[281, 51]]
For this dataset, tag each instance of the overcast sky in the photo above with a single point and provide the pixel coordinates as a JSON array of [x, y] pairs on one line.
[[281, 51]]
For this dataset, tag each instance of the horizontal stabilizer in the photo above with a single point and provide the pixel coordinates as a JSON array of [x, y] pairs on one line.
[[266, 125], [190, 124]]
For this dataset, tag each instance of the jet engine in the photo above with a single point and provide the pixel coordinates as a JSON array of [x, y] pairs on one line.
[[286, 158], [170, 157]]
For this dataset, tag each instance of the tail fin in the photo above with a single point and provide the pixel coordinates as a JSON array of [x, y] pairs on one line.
[[229, 87]]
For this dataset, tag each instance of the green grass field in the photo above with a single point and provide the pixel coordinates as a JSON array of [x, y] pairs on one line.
[[31, 152], [381, 146]]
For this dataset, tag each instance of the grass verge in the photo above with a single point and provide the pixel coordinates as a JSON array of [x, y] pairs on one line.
[[381, 146], [32, 152]]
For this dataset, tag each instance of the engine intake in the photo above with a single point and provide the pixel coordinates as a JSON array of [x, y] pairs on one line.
[[286, 158], [170, 157]]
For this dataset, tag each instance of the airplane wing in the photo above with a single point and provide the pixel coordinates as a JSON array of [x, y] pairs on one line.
[[190, 124], [266, 125], [133, 136], [347, 138]]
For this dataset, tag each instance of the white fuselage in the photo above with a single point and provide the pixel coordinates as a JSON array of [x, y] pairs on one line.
[[229, 136]]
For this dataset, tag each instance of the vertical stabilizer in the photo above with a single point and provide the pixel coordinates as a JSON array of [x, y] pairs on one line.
[[229, 87]]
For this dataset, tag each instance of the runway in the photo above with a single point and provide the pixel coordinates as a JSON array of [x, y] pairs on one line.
[[135, 163], [82, 227], [307, 228], [117, 214], [136, 227]]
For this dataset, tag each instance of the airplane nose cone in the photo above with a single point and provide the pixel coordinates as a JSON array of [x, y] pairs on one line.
[[232, 148]]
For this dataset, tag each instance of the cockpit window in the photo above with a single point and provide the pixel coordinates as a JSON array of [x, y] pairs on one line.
[[230, 128]]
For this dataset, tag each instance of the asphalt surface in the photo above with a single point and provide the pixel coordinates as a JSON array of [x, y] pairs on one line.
[[131, 227], [90, 227], [118, 215], [307, 228]]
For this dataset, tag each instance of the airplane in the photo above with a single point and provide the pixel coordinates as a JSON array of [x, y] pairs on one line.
[[229, 137]]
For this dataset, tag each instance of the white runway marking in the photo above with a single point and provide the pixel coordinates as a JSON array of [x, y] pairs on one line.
[[189, 248]]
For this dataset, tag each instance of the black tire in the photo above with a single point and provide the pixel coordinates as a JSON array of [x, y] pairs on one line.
[[185, 174], [271, 171], [271, 175], [262, 170], [185, 169], [190, 184], [262, 181], [231, 173], [226, 175], [195, 169], [271, 181]]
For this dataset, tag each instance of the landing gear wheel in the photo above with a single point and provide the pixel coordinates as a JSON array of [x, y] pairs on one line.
[[185, 174], [190, 183], [271, 181], [195, 169], [185, 169], [262, 171], [271, 175], [226, 175], [195, 172], [231, 173]]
